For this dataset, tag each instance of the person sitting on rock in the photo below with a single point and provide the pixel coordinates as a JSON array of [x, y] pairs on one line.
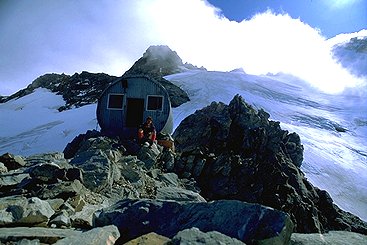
[[146, 132]]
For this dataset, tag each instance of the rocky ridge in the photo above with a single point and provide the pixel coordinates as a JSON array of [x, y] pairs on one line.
[[236, 152], [106, 193]]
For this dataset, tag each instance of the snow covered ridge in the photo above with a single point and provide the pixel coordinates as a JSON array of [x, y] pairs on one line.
[[77, 90], [351, 51]]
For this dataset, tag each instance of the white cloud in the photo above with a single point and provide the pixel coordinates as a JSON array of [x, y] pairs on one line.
[[108, 36]]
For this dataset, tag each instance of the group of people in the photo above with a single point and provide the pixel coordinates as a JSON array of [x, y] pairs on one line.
[[146, 132]]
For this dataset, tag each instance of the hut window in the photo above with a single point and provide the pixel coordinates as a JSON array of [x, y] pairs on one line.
[[115, 101], [155, 103]]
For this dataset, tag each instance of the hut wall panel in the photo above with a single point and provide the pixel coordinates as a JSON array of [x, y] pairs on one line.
[[138, 87]]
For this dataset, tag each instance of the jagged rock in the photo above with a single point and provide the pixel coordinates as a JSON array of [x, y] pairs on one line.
[[46, 172], [52, 157], [12, 162], [60, 219], [160, 61], [10, 180], [101, 235], [243, 221], [84, 218], [149, 154], [63, 190], [169, 179], [178, 194], [72, 148], [77, 202], [195, 236], [44, 235], [97, 158], [55, 203], [149, 239], [332, 237], [77, 90], [18, 210], [236, 152], [3, 168]]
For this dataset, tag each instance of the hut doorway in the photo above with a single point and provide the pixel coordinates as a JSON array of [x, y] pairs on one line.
[[134, 113]]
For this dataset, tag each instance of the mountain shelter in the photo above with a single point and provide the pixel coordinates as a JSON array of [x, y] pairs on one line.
[[128, 101]]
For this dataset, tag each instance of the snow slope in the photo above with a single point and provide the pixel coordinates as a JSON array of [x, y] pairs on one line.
[[32, 124], [333, 160]]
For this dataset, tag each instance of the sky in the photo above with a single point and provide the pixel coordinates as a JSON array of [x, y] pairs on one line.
[[65, 36], [332, 17]]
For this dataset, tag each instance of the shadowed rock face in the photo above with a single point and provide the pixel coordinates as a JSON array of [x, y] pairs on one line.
[[236, 152], [250, 223]]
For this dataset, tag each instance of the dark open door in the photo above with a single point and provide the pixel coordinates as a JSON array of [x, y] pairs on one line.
[[135, 111]]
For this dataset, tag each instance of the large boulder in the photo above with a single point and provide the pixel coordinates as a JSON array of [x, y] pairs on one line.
[[12, 162], [21, 211], [149, 154], [101, 235], [195, 236], [247, 222], [40, 235], [235, 152], [332, 237], [73, 147], [98, 159]]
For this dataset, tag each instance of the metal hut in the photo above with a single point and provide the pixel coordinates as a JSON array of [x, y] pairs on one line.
[[127, 102]]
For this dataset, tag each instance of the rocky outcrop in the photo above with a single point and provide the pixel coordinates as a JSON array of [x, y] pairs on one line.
[[251, 223], [236, 152], [77, 90], [11, 162], [332, 237], [160, 61], [50, 191]]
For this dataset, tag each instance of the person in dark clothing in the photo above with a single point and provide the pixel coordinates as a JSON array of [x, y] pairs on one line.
[[146, 132]]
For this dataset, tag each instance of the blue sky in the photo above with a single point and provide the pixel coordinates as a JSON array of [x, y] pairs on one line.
[[64, 36], [332, 17]]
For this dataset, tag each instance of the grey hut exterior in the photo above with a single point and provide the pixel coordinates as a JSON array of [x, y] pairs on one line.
[[127, 102]]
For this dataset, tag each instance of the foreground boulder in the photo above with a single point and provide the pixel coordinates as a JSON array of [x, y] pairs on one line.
[[97, 158], [101, 235], [332, 237], [34, 235], [10, 162], [20, 211], [195, 236], [246, 222], [236, 152]]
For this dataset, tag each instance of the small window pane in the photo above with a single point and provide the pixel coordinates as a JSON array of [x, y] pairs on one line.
[[155, 103], [115, 101]]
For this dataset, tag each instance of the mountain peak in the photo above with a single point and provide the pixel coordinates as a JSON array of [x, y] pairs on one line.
[[159, 61]]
